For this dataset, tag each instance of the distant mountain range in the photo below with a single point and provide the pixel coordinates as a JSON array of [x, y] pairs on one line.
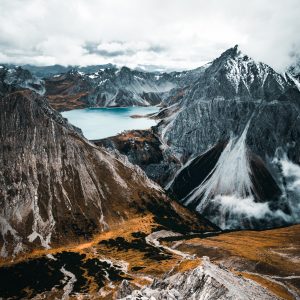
[[49, 71], [97, 86]]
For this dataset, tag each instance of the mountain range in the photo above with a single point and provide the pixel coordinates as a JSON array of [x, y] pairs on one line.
[[229, 137], [97, 86], [146, 214]]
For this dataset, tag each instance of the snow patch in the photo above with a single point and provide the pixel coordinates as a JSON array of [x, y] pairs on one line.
[[71, 279], [93, 76], [102, 81], [138, 77]]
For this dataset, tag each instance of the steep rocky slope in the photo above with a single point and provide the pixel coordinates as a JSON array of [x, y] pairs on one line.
[[57, 187], [256, 112]]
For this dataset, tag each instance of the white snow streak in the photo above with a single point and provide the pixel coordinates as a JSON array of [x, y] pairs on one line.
[[70, 283], [230, 176]]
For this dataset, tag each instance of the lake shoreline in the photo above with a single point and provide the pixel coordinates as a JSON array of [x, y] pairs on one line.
[[101, 122]]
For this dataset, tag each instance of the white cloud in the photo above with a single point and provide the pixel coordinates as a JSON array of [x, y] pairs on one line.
[[170, 33]]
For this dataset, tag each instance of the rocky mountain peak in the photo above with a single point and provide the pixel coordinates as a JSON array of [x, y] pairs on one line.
[[125, 69], [14, 78], [236, 75], [232, 94], [232, 56], [74, 73], [233, 52]]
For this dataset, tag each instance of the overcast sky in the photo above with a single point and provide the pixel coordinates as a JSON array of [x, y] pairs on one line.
[[168, 34]]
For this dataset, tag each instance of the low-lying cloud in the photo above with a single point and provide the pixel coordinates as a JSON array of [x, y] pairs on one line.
[[120, 48], [172, 34]]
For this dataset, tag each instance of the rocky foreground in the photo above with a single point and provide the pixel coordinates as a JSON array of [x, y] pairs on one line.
[[144, 260]]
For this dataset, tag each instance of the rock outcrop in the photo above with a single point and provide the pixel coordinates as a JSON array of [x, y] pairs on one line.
[[143, 148], [207, 281]]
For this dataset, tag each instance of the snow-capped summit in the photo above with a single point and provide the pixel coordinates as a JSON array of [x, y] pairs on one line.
[[235, 74]]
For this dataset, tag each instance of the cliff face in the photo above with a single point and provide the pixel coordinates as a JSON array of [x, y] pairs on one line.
[[56, 187]]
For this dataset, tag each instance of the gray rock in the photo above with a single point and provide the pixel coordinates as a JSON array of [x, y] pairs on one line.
[[233, 93], [207, 281]]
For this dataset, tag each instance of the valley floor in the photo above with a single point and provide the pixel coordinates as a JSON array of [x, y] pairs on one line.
[[143, 253]]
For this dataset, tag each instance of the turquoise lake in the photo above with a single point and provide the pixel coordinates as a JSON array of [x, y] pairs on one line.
[[98, 123]]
